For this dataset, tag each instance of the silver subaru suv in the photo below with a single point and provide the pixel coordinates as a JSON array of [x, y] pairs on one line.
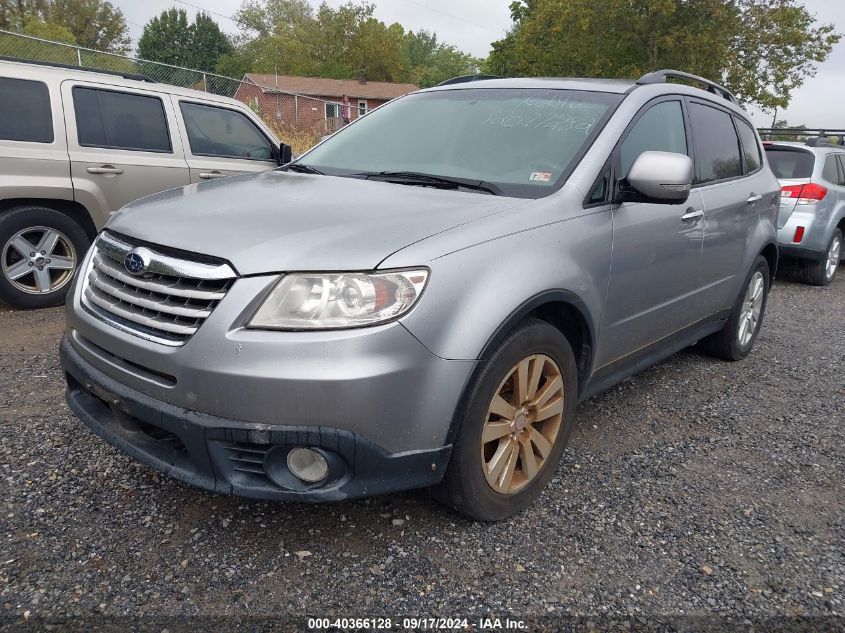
[[811, 221], [424, 297]]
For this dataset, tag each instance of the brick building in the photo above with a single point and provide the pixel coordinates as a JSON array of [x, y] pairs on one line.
[[311, 102]]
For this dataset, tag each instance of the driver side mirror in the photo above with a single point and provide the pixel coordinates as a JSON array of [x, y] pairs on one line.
[[658, 177], [285, 154]]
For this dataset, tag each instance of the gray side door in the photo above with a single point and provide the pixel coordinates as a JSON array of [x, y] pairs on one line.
[[733, 199], [656, 255]]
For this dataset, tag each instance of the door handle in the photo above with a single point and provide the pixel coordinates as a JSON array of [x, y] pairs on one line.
[[692, 216], [754, 197], [105, 169], [208, 175]]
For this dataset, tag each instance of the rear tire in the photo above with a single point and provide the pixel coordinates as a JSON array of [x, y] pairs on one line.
[[822, 273], [40, 249], [736, 340], [510, 442]]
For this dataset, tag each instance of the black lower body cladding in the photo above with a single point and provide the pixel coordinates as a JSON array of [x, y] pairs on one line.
[[238, 458]]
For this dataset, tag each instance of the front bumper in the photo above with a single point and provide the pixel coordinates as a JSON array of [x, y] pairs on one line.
[[234, 457]]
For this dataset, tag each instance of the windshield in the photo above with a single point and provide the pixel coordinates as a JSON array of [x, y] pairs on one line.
[[524, 142], [790, 164]]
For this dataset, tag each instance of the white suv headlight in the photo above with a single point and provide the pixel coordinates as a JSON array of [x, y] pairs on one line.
[[325, 301]]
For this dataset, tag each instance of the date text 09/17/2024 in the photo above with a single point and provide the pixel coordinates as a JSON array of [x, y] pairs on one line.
[[417, 624]]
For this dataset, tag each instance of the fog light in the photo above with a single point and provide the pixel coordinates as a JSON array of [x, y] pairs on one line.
[[307, 464]]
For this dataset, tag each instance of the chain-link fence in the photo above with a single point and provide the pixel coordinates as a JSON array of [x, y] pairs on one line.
[[297, 119]]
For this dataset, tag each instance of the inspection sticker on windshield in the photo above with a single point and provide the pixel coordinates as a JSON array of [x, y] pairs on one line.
[[542, 176]]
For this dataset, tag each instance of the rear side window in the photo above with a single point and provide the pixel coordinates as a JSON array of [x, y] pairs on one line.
[[716, 144], [790, 163], [831, 170], [750, 146], [223, 132], [841, 158], [119, 120], [25, 113], [661, 128]]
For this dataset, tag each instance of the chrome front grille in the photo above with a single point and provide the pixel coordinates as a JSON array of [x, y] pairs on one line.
[[167, 302]]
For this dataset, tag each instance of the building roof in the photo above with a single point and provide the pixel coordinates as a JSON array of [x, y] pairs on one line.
[[319, 87]]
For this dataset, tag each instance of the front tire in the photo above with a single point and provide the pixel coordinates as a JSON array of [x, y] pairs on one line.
[[518, 416], [736, 340], [823, 272], [40, 249]]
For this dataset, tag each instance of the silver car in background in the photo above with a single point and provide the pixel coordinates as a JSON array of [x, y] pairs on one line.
[[811, 221], [423, 298]]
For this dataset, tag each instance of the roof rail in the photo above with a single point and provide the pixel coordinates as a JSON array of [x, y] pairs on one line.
[[660, 77], [817, 137], [467, 78], [86, 69]]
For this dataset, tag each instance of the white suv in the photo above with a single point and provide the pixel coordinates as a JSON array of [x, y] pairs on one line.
[[77, 144]]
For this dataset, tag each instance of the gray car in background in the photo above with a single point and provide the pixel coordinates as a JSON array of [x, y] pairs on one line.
[[423, 298], [812, 205]]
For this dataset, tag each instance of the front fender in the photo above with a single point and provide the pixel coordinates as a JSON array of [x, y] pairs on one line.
[[476, 290]]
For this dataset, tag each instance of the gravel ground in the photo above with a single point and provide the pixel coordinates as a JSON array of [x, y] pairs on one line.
[[697, 489]]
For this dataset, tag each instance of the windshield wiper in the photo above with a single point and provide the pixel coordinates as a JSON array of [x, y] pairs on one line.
[[417, 178], [302, 168]]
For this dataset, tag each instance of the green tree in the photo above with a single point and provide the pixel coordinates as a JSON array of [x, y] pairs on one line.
[[761, 49], [170, 39], [36, 27], [13, 46], [208, 43], [431, 62], [94, 24], [293, 38], [278, 36], [166, 38]]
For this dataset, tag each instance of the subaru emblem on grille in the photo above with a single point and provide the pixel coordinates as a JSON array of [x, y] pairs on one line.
[[137, 261]]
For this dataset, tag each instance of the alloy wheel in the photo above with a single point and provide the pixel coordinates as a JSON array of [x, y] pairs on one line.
[[38, 260], [833, 255], [752, 305], [522, 425]]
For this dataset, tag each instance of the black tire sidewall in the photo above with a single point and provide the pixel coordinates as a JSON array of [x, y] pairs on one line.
[[466, 488], [20, 218], [828, 280], [739, 351]]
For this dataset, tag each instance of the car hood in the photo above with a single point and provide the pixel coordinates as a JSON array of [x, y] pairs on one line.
[[279, 221]]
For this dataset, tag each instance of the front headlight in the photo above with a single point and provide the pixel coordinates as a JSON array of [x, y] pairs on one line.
[[324, 301]]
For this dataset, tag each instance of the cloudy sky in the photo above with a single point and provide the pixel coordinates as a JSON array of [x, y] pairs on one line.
[[472, 24]]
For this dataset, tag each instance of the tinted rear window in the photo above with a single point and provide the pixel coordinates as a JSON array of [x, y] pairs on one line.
[[790, 163], [119, 120], [25, 113]]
